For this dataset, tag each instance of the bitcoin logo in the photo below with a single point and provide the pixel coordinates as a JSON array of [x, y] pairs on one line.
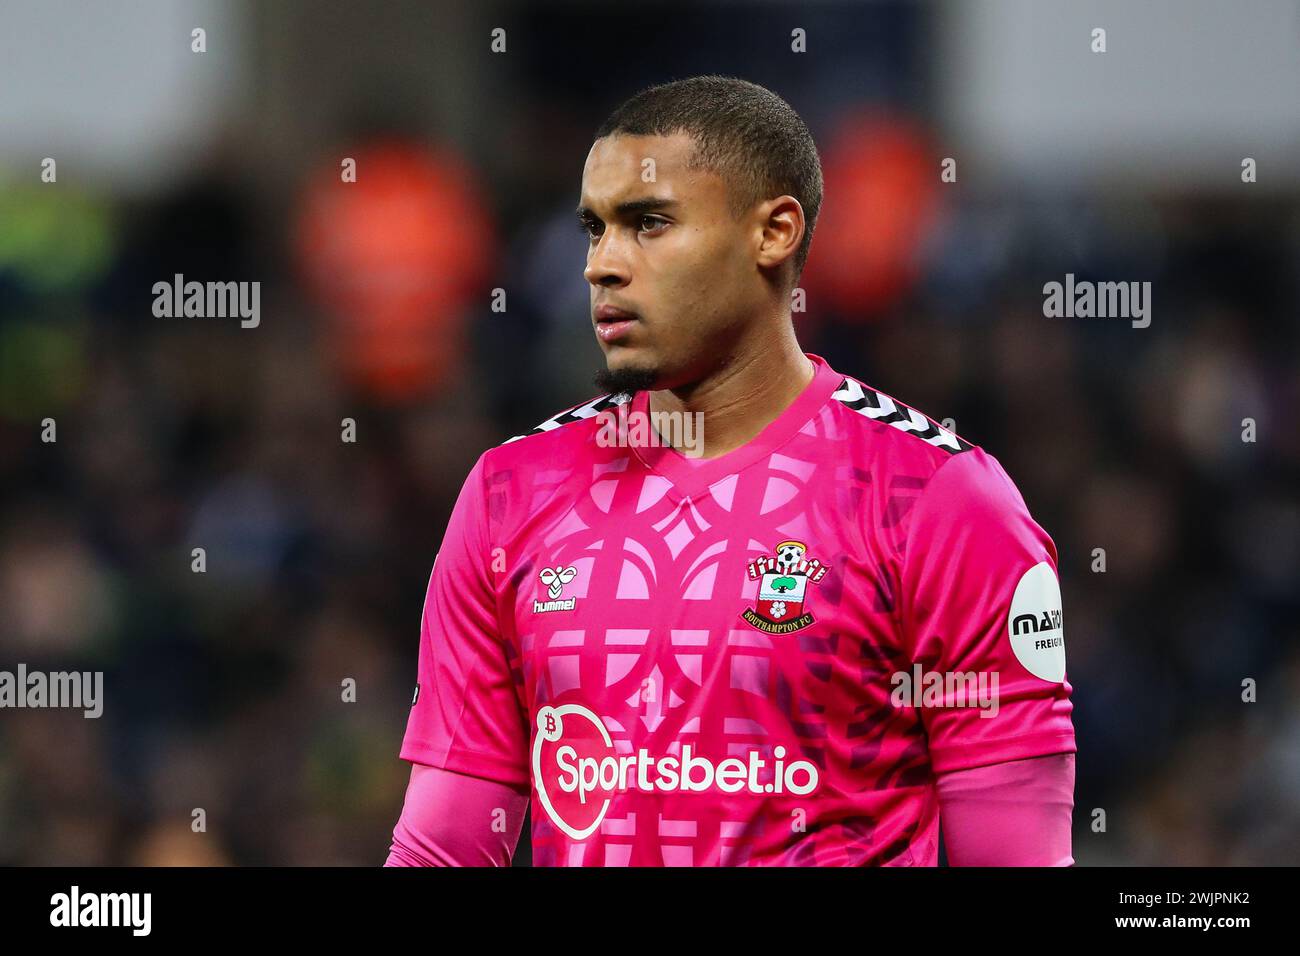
[[549, 724]]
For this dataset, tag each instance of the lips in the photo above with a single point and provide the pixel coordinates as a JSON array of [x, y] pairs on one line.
[[613, 323]]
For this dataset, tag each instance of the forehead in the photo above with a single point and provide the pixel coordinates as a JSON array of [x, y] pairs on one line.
[[616, 170]]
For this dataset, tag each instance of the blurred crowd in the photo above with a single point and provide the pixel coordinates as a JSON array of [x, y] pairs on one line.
[[224, 689]]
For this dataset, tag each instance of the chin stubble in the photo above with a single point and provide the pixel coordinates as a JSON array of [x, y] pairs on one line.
[[626, 380]]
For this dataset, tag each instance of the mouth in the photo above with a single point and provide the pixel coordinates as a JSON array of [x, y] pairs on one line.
[[613, 323]]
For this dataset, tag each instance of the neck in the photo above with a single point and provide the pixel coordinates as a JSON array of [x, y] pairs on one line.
[[743, 395]]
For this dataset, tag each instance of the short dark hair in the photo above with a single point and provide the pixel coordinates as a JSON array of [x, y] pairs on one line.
[[744, 132]]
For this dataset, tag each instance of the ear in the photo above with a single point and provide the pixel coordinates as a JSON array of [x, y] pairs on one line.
[[782, 226]]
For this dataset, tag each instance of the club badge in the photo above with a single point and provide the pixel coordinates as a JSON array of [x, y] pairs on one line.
[[783, 579]]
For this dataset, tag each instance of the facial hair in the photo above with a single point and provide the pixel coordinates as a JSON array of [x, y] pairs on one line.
[[626, 380]]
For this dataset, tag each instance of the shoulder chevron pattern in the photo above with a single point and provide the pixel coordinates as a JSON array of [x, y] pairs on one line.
[[872, 404], [576, 414]]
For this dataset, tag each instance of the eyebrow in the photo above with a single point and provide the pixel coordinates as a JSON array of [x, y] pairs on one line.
[[631, 207]]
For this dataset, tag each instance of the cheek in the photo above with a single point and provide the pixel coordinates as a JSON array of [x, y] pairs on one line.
[[697, 281], [705, 260]]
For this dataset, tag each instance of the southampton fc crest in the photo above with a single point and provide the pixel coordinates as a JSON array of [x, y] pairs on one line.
[[783, 580]]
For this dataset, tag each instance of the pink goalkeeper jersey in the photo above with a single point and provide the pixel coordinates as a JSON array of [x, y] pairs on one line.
[[757, 659]]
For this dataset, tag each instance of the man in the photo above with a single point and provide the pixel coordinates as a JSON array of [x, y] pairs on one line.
[[802, 646]]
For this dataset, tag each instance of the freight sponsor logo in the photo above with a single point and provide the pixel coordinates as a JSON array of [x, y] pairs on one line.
[[1035, 624]]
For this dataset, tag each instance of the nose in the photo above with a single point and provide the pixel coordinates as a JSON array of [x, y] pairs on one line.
[[607, 264]]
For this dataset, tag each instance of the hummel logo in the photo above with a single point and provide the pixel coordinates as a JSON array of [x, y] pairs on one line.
[[555, 579]]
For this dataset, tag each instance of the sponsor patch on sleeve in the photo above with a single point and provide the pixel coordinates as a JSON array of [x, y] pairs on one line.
[[1035, 624]]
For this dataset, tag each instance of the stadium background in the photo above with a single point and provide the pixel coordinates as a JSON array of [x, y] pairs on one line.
[[223, 689]]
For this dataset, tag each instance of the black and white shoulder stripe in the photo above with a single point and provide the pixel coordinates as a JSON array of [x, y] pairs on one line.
[[872, 404], [584, 411]]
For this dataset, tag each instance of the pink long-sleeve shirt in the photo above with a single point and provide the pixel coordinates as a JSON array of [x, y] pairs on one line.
[[778, 656]]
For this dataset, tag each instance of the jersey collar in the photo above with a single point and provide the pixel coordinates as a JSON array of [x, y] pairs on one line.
[[689, 478]]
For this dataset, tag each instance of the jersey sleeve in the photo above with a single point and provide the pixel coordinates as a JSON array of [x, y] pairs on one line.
[[466, 716], [1016, 813], [981, 600], [451, 819]]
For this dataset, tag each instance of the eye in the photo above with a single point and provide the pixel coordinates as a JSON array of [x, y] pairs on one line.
[[590, 227], [654, 223]]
